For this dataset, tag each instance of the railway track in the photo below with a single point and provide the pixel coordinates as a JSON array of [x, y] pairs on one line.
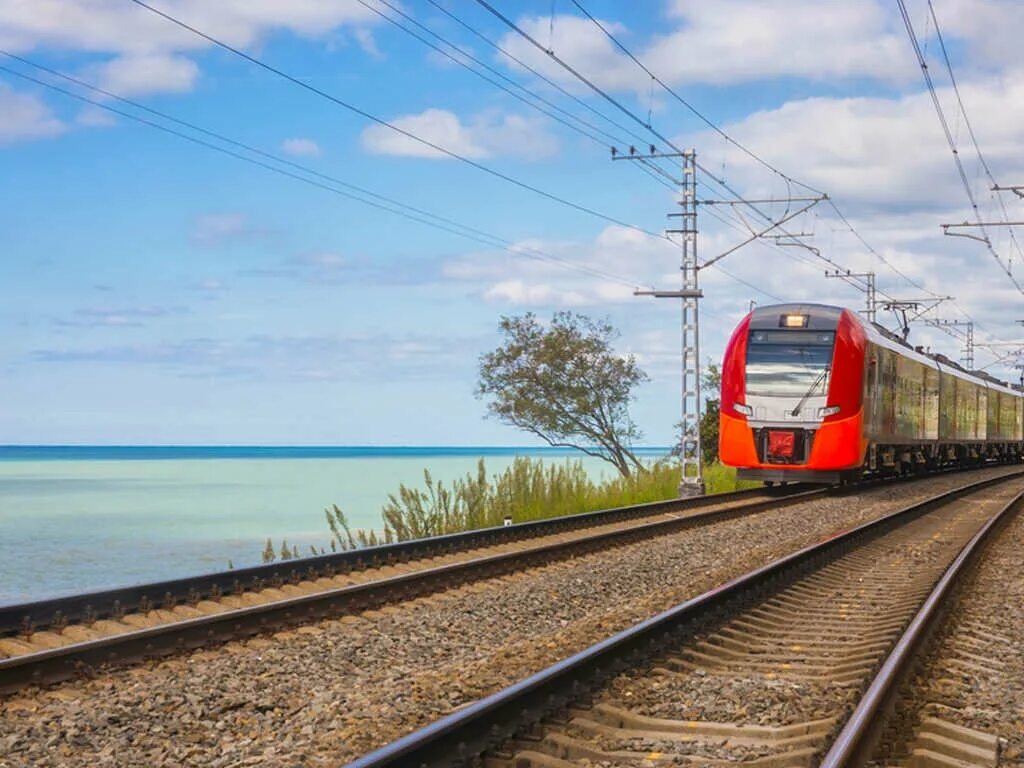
[[764, 670], [50, 641], [963, 702]]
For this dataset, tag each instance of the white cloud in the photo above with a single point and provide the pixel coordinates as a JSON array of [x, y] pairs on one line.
[[520, 292], [24, 117], [141, 74], [147, 51], [109, 26], [556, 274], [94, 117], [301, 147], [991, 27], [486, 135], [884, 152], [364, 37], [745, 40], [725, 42], [213, 229], [437, 126]]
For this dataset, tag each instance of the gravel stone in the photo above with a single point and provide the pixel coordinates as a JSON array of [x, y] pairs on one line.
[[988, 622], [319, 699]]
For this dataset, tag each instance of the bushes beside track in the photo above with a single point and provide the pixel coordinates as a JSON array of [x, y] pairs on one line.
[[527, 490]]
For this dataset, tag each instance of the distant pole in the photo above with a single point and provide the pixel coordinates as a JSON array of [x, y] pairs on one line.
[[862, 281], [968, 350]]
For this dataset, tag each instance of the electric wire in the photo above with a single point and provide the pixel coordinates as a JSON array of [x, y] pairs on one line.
[[537, 73], [707, 121], [467, 55], [699, 115], [379, 202], [944, 123], [967, 123], [751, 154], [391, 126], [547, 110]]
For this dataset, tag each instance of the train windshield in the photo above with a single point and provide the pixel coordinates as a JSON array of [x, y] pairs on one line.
[[789, 363]]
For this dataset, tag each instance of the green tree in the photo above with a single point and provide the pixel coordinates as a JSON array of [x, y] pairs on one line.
[[565, 384], [711, 384]]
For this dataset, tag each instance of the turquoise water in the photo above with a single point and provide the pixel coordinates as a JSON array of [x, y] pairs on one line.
[[74, 519]]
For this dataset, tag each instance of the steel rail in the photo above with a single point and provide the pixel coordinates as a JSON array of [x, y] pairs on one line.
[[459, 738], [27, 618], [37, 615], [57, 664], [859, 736]]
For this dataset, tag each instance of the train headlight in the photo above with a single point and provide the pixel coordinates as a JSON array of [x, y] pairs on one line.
[[793, 321], [832, 410], [746, 410]]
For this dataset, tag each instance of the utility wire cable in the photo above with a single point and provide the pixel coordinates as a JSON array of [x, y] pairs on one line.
[[536, 72], [699, 115], [382, 122], [379, 202], [391, 126], [967, 123], [707, 121], [589, 131], [923, 64], [605, 95]]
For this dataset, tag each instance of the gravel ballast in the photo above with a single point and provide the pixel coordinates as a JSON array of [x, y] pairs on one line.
[[973, 676], [326, 693]]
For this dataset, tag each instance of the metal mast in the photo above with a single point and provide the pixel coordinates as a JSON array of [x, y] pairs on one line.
[[968, 350], [865, 282], [691, 482]]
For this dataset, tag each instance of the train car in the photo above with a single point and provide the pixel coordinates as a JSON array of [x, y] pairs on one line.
[[814, 393]]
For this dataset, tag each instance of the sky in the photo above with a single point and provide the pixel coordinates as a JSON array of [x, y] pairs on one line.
[[159, 284]]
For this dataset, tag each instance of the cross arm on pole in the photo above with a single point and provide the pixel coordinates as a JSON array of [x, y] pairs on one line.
[[761, 233]]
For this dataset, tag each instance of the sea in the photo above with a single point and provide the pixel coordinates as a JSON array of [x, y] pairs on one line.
[[81, 518]]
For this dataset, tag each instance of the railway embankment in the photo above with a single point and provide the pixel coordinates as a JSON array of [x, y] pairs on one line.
[[332, 690]]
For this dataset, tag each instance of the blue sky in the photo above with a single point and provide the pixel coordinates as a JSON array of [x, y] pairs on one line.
[[155, 291]]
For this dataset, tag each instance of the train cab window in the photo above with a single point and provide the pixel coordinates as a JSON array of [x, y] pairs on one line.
[[788, 363]]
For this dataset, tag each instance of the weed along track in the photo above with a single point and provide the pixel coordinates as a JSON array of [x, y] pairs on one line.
[[200, 613], [763, 671]]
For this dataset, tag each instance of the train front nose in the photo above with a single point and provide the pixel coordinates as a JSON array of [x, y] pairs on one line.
[[780, 401]]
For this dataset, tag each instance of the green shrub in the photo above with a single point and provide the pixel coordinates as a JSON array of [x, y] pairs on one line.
[[527, 490]]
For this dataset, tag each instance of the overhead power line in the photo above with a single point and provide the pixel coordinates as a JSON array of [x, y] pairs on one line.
[[944, 123], [534, 71], [319, 180], [391, 126], [721, 132], [409, 134], [570, 120], [607, 97], [549, 109], [697, 113], [970, 127], [646, 123], [721, 182]]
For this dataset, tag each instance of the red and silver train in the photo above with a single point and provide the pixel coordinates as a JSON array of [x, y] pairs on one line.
[[814, 393]]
